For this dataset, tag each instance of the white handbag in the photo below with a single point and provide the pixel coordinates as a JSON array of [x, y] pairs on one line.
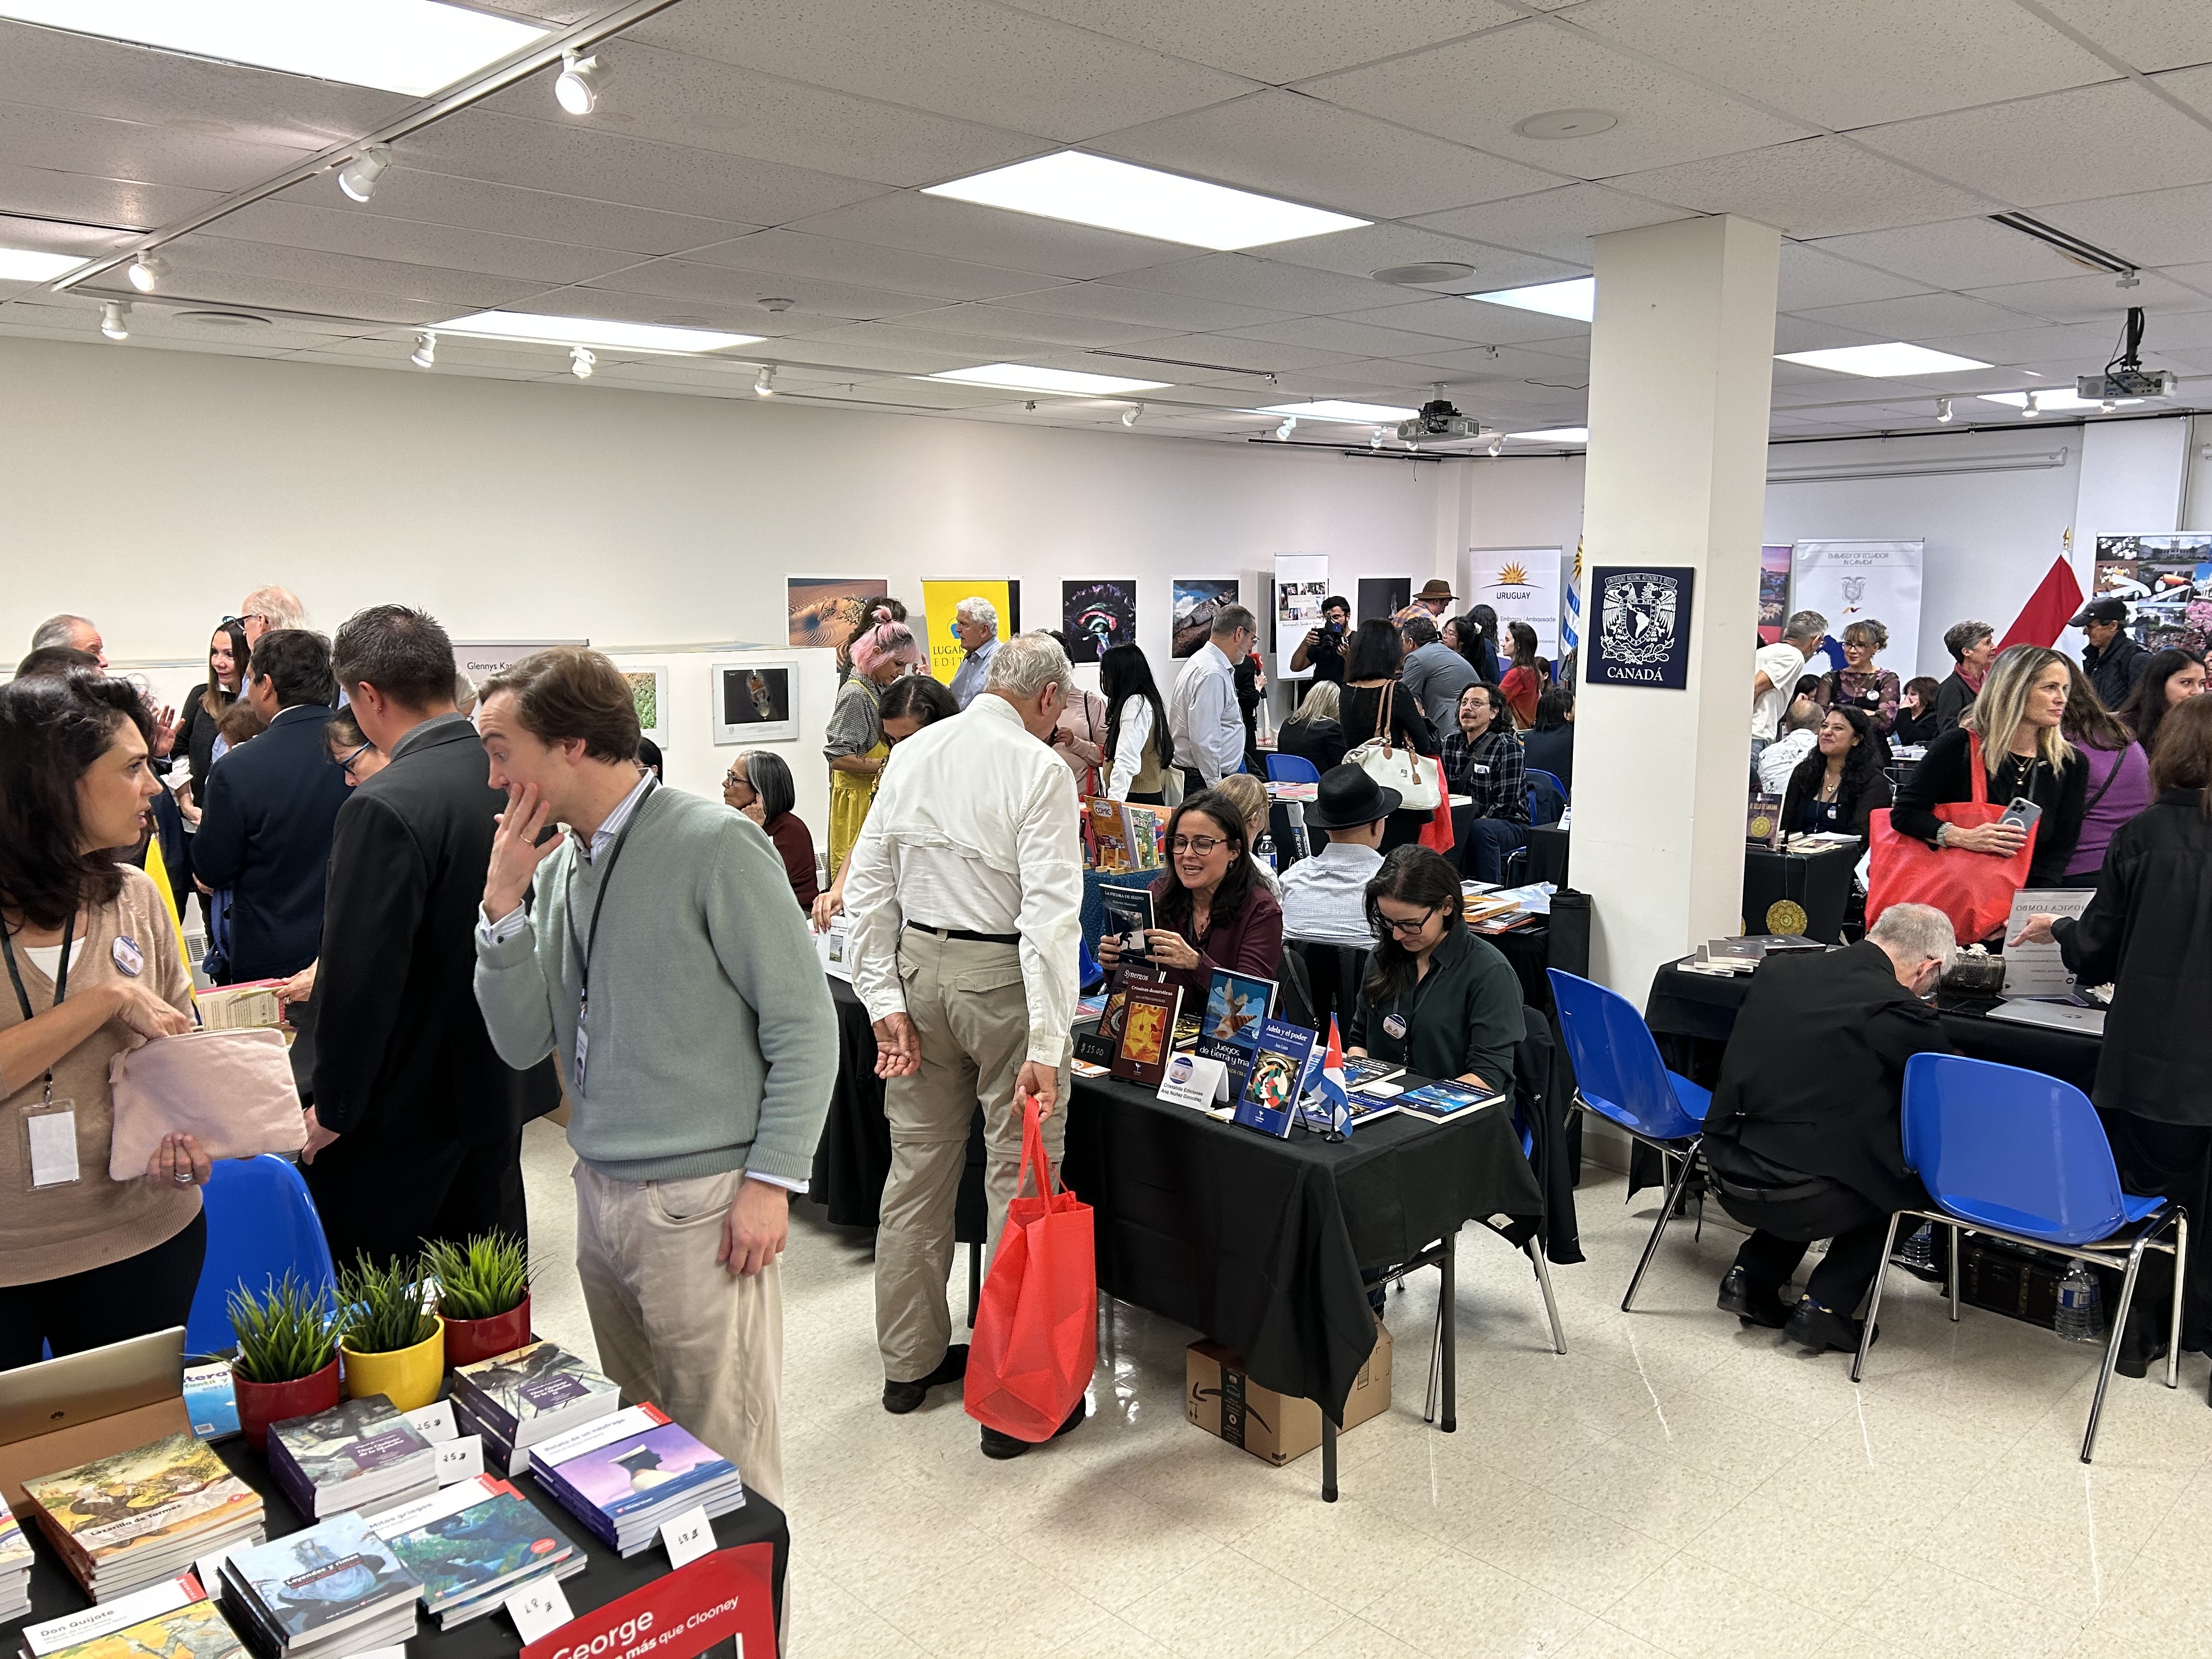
[[1418, 781]]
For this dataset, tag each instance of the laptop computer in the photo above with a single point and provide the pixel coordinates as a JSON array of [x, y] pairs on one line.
[[83, 1388], [2059, 1015]]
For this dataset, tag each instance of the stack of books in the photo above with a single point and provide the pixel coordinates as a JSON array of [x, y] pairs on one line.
[[361, 1454], [474, 1544], [123, 1522], [335, 1589], [197, 1630], [1439, 1101], [74, 1629], [626, 1474], [519, 1400], [15, 1567]]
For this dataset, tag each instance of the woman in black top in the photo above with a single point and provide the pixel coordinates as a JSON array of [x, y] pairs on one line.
[[1371, 686], [226, 684], [1472, 639], [1841, 781], [1437, 999], [2016, 718], [1916, 712], [1315, 730], [2170, 679], [1251, 691]]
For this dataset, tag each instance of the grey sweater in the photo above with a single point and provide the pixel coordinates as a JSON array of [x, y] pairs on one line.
[[714, 1045]]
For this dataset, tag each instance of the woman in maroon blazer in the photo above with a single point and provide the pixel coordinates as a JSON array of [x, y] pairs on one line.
[[1212, 909]]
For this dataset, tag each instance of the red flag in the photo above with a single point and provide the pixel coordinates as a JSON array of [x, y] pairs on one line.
[[2048, 609]]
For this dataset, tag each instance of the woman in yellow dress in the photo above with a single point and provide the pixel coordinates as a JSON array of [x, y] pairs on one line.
[[854, 743]]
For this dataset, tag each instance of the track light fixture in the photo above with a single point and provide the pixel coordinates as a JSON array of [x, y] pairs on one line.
[[582, 360], [1029, 405], [2110, 406], [577, 89], [2030, 409], [1282, 432], [764, 382], [1375, 441], [358, 177], [146, 270], [1943, 411], [426, 349], [1497, 444], [1132, 414], [111, 319]]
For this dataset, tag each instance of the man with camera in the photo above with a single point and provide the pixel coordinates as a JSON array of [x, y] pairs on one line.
[[1322, 648]]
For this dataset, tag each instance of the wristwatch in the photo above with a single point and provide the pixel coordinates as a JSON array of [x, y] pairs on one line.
[[1942, 835]]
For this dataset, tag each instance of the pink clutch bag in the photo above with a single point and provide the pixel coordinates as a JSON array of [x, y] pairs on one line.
[[232, 1090]]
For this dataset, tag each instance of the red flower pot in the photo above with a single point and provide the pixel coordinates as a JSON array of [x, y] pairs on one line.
[[260, 1403], [468, 1340]]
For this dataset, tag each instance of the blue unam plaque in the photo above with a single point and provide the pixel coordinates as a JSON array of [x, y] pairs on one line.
[[1642, 635]]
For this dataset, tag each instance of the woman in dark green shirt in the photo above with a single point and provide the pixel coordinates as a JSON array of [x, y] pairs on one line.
[[1437, 1000]]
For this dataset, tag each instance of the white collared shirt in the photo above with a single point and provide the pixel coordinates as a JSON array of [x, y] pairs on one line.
[[973, 827], [1325, 897], [1203, 718], [601, 838]]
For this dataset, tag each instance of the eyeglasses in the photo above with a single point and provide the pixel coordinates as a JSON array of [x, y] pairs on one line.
[[733, 777], [346, 765], [1406, 929], [1202, 845]]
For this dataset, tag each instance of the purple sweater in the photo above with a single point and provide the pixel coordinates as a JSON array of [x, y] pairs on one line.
[[2130, 793]]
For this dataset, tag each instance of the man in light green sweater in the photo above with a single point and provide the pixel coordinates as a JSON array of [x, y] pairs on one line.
[[664, 967]]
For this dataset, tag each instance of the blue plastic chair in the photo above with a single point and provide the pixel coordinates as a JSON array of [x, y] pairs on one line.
[[1619, 1076], [2022, 1156], [1555, 801], [260, 1222], [1291, 768]]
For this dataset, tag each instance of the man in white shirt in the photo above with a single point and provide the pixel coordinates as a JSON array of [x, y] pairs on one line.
[[976, 620], [1203, 718], [1325, 897], [1774, 674], [1779, 758], [966, 894]]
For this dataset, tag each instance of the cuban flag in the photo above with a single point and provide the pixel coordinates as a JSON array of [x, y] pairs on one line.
[[1331, 1088]]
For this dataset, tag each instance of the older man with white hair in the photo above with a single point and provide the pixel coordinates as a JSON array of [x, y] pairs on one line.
[[966, 896], [976, 620], [266, 608], [1805, 1136], [67, 632]]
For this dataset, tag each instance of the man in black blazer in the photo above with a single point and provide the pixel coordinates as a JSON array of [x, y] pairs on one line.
[[266, 829], [416, 1128], [1805, 1139]]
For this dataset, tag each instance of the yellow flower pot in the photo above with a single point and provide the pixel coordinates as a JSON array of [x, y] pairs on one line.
[[408, 1377]]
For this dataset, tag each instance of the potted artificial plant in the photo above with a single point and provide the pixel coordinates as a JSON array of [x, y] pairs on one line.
[[484, 1295], [288, 1354], [393, 1345]]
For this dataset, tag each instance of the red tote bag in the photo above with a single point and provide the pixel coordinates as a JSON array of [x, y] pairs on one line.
[[1035, 1341], [1974, 889]]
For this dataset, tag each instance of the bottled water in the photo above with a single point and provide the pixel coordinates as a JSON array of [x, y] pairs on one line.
[[1919, 1250], [1264, 849], [2080, 1307]]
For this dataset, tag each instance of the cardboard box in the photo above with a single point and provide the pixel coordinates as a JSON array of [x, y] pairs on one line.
[[1220, 1399]]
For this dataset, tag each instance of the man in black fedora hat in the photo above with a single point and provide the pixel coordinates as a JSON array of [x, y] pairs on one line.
[[2113, 662], [1325, 897]]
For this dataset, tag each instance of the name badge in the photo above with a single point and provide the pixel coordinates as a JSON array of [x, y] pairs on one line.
[[128, 956], [583, 1045], [1479, 771], [1394, 1025]]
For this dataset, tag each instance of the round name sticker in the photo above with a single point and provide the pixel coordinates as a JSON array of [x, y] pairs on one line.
[[128, 956], [1394, 1025]]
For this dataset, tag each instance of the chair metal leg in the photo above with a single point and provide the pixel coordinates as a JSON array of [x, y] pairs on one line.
[[1874, 1301], [1436, 1365], [1673, 1196], [1953, 1231], [2180, 1267], [2112, 1340], [1536, 1249]]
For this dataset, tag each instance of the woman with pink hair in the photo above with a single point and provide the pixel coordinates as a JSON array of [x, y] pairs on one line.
[[854, 743]]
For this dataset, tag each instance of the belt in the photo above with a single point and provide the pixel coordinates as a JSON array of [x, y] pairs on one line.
[[965, 934]]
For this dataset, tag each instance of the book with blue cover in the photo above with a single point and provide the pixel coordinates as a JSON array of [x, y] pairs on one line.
[[473, 1545], [1269, 1099], [311, 1588], [1237, 1006], [211, 1398], [625, 1474], [1441, 1101]]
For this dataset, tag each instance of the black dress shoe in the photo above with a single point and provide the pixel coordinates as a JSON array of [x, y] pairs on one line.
[[1752, 1305], [2139, 1364], [1812, 1326], [900, 1398], [1003, 1446]]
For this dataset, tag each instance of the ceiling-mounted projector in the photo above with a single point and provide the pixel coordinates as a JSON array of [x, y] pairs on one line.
[[2125, 376], [1439, 422]]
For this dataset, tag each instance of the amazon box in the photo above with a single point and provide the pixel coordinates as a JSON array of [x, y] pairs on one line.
[[1222, 1399]]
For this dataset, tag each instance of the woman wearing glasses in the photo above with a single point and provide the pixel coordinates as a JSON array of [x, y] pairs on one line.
[[1437, 999], [350, 752], [1214, 909], [758, 784]]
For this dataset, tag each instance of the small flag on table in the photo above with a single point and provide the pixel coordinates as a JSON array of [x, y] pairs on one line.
[[1331, 1087]]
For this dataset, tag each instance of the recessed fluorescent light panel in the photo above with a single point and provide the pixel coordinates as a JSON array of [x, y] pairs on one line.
[[1335, 409], [1576, 297], [22, 264], [412, 46], [1064, 382], [1555, 434], [1091, 190], [591, 331], [2055, 401], [1882, 361]]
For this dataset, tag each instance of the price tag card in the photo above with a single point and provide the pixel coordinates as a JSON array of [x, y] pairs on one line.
[[433, 1421], [539, 1610], [460, 1459], [689, 1536], [209, 1571]]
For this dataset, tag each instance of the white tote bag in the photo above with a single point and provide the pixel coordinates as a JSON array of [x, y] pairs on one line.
[[233, 1091], [1417, 781]]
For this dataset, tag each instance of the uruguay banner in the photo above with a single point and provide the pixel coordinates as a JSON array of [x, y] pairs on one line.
[[1570, 629], [1862, 582], [1522, 584]]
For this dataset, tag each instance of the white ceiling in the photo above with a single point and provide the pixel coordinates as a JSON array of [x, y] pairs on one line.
[[745, 150]]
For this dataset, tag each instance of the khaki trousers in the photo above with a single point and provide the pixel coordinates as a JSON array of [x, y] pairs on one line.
[[969, 1007], [673, 1327]]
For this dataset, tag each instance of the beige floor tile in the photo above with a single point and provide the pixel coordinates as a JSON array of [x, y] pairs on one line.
[[1355, 1639], [1121, 1546], [828, 1623], [1694, 1610], [989, 1609], [1650, 1493], [1928, 1609], [1349, 1553], [1601, 1640], [1562, 1548], [1715, 1435], [1230, 1606], [1460, 1607], [1857, 1543]]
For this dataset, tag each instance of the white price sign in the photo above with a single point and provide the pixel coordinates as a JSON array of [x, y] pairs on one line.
[[689, 1536], [433, 1421], [460, 1460], [539, 1611]]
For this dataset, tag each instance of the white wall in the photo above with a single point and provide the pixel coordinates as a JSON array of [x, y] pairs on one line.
[[150, 489]]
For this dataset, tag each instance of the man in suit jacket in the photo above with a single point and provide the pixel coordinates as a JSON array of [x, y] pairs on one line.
[[415, 1131], [266, 829], [1804, 1138]]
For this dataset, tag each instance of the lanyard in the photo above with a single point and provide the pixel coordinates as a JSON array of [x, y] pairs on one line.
[[61, 981], [568, 900]]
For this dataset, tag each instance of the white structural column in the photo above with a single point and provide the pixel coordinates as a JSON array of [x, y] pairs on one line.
[[1681, 369]]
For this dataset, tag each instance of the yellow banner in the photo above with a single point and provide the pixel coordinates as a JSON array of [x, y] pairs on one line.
[[939, 601]]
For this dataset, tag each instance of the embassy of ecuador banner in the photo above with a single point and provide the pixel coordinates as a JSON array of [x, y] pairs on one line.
[[1862, 582]]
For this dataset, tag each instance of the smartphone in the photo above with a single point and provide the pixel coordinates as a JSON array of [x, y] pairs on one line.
[[2022, 814]]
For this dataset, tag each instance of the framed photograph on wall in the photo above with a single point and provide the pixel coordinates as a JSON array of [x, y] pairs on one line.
[[1382, 596], [755, 701], [1098, 615], [649, 687], [824, 610], [1198, 601]]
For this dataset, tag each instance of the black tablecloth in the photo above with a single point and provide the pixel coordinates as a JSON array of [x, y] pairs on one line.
[[1258, 1242], [853, 1159], [1818, 883], [54, 1592]]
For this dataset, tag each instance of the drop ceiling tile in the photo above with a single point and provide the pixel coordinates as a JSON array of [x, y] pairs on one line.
[[44, 193], [348, 230], [2149, 227], [2088, 298], [1556, 224], [2192, 86], [1245, 279], [1794, 333], [1812, 188], [1355, 339], [1109, 302], [740, 292], [252, 290], [1009, 322], [105, 148], [2147, 35], [1259, 356], [1923, 316], [1278, 41], [204, 263], [1013, 241], [1476, 90], [829, 258], [2059, 148], [1854, 65], [1286, 144], [1474, 363], [1811, 277], [581, 161], [1474, 321], [702, 104], [959, 58], [866, 354], [1377, 247], [52, 236], [2031, 347], [1955, 254], [619, 305], [436, 199]]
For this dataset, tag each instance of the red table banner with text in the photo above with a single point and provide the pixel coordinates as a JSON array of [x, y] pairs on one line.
[[729, 1593]]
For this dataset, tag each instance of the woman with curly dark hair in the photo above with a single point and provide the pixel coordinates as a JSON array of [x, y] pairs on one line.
[[1212, 910], [1841, 781], [92, 968]]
